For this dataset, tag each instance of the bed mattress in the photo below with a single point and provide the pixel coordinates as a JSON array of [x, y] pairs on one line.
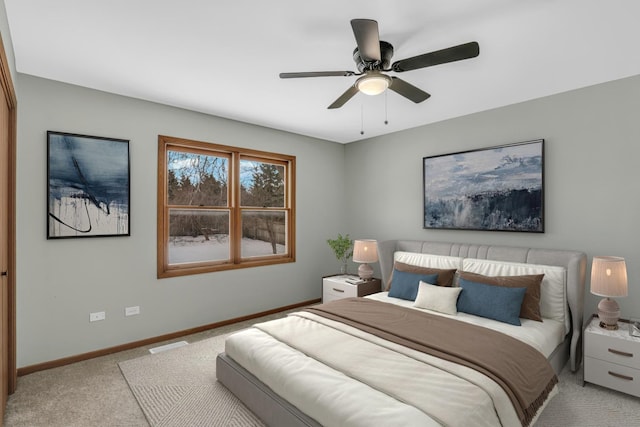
[[329, 376]]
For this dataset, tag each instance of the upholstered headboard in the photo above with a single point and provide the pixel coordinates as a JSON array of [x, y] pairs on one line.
[[574, 262]]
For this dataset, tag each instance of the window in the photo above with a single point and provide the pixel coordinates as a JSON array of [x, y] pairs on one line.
[[222, 207]]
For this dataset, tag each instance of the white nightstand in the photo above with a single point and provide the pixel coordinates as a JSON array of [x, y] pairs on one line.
[[612, 358], [344, 286]]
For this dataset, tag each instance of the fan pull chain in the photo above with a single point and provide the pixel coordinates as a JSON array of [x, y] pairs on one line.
[[386, 122], [361, 119]]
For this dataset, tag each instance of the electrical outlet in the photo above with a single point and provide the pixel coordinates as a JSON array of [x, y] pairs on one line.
[[132, 311], [99, 315]]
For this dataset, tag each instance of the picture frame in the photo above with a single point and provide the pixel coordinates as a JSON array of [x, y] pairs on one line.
[[88, 186], [497, 188]]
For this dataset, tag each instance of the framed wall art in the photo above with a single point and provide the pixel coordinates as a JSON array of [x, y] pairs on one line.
[[88, 184], [497, 189]]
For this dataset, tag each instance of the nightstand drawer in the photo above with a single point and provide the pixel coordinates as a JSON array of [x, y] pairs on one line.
[[332, 291], [343, 290], [611, 375], [345, 286], [612, 349]]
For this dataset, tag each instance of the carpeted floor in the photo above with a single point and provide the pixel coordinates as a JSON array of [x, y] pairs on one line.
[[92, 393], [589, 406], [178, 388]]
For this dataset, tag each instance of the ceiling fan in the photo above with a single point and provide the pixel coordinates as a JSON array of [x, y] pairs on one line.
[[373, 56]]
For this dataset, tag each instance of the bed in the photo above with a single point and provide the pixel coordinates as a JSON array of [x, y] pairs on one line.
[[352, 362]]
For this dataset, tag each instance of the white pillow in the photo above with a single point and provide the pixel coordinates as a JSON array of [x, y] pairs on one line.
[[428, 260], [437, 298]]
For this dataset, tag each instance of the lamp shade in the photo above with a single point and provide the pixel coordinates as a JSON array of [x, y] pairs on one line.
[[609, 276], [365, 251]]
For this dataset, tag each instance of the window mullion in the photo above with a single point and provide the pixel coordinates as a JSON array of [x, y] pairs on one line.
[[236, 226]]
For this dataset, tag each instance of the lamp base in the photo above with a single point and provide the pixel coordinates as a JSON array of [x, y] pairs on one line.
[[609, 313], [365, 271]]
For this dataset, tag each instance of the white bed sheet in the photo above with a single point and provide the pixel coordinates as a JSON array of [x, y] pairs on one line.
[[323, 393], [544, 336], [338, 399]]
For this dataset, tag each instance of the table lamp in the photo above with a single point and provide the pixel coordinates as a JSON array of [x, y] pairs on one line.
[[608, 279], [365, 251]]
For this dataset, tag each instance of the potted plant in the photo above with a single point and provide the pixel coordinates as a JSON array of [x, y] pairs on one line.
[[343, 249]]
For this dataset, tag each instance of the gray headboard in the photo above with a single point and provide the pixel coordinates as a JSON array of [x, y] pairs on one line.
[[575, 262]]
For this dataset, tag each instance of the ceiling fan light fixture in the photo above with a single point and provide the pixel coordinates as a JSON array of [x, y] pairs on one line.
[[373, 84]]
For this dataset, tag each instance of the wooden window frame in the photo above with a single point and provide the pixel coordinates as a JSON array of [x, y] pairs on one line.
[[234, 154]]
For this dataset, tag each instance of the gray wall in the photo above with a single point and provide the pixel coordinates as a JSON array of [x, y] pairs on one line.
[[592, 175], [61, 281], [591, 200]]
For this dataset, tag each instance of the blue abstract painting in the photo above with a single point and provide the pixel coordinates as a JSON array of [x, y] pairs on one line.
[[88, 186], [498, 188]]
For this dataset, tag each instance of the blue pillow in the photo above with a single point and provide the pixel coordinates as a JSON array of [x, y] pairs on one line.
[[405, 285], [493, 302]]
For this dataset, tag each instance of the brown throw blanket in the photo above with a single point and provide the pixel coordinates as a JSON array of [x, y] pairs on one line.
[[522, 371]]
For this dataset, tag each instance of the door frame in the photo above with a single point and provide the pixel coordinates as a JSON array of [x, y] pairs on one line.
[[11, 100]]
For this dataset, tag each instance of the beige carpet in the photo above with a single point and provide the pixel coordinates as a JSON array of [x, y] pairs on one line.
[[178, 388], [589, 406]]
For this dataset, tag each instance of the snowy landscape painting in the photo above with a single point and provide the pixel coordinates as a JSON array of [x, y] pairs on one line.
[[497, 188], [88, 186]]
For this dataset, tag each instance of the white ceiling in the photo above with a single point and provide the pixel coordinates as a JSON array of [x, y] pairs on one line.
[[224, 57]]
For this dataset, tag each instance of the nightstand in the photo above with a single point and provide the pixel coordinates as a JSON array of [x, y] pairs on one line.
[[612, 358], [344, 286]]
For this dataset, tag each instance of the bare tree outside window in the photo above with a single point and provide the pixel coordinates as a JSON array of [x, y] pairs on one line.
[[263, 189], [197, 180]]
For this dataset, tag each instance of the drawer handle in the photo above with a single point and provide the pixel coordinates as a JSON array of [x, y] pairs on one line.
[[620, 353], [338, 290], [623, 377]]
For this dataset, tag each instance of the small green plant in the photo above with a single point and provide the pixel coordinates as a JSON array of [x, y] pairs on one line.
[[343, 249]]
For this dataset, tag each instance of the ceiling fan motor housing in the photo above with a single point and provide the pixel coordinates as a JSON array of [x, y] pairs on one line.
[[386, 52]]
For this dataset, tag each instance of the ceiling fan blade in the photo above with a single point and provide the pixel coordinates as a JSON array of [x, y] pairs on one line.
[[408, 90], [317, 74], [366, 33], [344, 98], [451, 54]]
